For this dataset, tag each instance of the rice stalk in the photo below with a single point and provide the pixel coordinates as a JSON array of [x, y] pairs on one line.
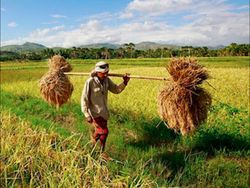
[[55, 86], [39, 158], [183, 104]]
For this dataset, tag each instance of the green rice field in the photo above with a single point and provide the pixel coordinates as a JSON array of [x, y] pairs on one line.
[[45, 147]]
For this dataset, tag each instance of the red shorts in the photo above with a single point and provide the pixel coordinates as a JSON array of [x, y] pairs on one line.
[[100, 126]]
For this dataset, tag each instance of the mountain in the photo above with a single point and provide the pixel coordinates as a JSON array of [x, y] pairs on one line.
[[216, 47], [34, 47], [139, 46], [152, 45], [101, 45], [26, 47], [58, 48]]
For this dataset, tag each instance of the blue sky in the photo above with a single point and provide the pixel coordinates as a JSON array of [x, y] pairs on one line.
[[76, 22]]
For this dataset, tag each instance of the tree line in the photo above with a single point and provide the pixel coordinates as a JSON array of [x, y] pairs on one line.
[[128, 50]]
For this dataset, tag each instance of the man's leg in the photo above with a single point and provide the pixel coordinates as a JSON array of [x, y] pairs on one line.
[[93, 132], [103, 139], [101, 130], [96, 136]]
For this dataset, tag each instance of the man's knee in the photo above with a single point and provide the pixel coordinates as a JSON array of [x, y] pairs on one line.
[[103, 138], [105, 131]]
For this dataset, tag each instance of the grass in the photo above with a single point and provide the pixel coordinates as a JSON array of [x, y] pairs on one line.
[[38, 158], [217, 155], [17, 71]]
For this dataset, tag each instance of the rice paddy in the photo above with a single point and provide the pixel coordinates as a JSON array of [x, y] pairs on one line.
[[146, 153]]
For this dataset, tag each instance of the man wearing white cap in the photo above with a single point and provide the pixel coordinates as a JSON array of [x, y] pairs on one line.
[[94, 100]]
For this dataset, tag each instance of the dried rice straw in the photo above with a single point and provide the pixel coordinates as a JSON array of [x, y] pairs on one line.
[[55, 87], [182, 104]]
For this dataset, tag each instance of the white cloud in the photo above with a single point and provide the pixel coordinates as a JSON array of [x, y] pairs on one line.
[[92, 25], [126, 14], [224, 28], [50, 23], [151, 8], [213, 30], [12, 24], [18, 40], [58, 28], [157, 7], [105, 16], [40, 33], [58, 16], [247, 7], [203, 23]]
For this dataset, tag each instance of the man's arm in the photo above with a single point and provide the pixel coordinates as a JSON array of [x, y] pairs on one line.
[[118, 88]]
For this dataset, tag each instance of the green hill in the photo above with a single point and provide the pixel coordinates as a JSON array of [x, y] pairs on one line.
[[101, 45], [26, 47], [139, 46], [152, 45], [34, 47]]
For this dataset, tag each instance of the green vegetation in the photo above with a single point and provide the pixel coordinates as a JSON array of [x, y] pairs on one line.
[[30, 51], [28, 46], [38, 158], [145, 152], [17, 71]]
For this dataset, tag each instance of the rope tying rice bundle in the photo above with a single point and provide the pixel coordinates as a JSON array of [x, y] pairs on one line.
[[55, 87], [182, 103]]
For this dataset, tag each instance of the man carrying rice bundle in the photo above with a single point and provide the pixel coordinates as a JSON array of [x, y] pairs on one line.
[[94, 101]]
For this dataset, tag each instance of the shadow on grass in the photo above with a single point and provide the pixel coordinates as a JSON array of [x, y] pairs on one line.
[[211, 140], [229, 131], [175, 161], [152, 135], [149, 132]]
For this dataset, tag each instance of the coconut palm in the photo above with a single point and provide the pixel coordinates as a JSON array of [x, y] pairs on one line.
[[105, 53], [129, 48]]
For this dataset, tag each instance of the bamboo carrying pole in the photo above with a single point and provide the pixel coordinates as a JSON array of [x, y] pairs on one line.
[[118, 75]]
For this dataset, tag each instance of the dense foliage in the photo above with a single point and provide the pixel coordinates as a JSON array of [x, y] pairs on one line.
[[128, 50]]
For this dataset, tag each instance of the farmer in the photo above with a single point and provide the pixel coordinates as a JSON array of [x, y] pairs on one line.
[[94, 100]]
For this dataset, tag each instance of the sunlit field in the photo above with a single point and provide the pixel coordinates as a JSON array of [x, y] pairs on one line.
[[145, 152]]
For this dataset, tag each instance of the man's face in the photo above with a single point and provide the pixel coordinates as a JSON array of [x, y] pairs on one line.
[[102, 75]]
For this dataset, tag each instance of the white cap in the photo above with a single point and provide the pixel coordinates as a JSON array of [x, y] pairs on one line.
[[101, 66]]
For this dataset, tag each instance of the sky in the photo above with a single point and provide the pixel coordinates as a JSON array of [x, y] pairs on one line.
[[68, 23]]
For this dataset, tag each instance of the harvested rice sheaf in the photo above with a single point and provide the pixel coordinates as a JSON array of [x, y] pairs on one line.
[[55, 86], [58, 62], [183, 105]]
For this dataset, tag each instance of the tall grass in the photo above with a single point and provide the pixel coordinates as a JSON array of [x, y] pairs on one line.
[[217, 155], [36, 157], [229, 85]]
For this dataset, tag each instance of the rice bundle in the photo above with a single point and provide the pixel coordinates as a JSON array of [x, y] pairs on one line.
[[55, 86], [182, 103], [58, 62]]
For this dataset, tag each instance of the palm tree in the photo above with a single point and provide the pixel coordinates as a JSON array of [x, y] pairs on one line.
[[48, 52], [130, 48], [121, 52], [105, 53]]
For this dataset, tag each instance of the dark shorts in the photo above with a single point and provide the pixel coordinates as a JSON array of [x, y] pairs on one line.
[[100, 126]]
